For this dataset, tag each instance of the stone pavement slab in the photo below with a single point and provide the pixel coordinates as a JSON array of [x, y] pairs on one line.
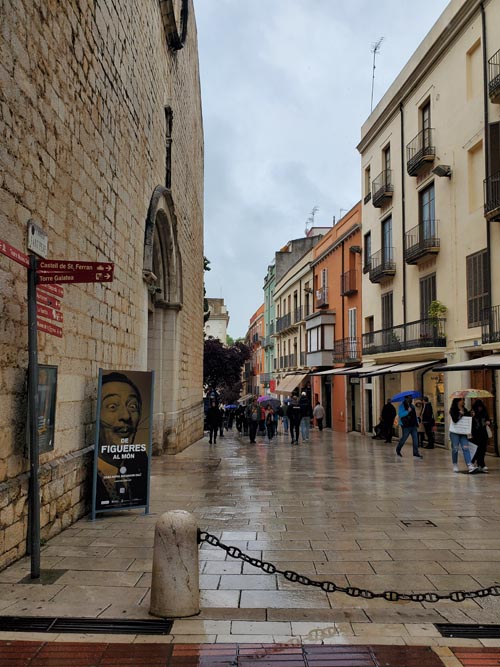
[[337, 508]]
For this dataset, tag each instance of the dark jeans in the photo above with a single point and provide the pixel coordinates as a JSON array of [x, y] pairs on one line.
[[212, 433], [252, 427], [410, 430], [319, 420], [270, 430], [294, 431], [430, 434], [387, 431], [481, 451]]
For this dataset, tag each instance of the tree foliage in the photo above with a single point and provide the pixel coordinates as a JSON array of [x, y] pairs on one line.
[[222, 366]]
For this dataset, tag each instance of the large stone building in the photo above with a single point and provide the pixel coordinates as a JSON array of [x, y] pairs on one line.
[[102, 146], [216, 325]]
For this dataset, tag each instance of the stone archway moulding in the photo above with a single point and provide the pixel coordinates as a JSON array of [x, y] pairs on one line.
[[161, 223], [174, 14]]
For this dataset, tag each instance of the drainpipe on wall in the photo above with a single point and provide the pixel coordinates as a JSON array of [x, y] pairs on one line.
[[403, 211], [488, 230]]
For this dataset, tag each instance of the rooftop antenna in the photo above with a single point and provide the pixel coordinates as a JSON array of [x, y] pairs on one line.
[[375, 49], [342, 210], [310, 219]]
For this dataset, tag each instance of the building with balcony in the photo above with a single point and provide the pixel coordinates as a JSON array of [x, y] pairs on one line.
[[268, 343], [254, 367], [293, 303], [430, 220], [334, 327]]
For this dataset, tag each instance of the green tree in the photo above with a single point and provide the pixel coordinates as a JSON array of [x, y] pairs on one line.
[[222, 366]]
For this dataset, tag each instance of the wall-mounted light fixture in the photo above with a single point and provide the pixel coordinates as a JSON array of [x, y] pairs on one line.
[[355, 248], [442, 170]]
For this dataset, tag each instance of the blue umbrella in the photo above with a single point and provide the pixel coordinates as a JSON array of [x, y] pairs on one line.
[[230, 407], [398, 398]]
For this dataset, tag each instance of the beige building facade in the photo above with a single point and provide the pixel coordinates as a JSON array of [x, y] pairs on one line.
[[430, 156], [216, 325], [102, 146]]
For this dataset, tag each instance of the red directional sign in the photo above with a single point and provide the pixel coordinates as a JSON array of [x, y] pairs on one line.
[[49, 313], [74, 277], [13, 253], [67, 265], [49, 328], [52, 289], [47, 299]]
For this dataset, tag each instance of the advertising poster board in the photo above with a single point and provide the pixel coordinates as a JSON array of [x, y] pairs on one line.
[[47, 393], [463, 426], [123, 437]]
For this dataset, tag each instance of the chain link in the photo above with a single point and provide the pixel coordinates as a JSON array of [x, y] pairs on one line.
[[353, 591]]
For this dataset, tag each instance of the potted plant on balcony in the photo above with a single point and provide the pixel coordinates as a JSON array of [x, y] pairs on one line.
[[436, 313]]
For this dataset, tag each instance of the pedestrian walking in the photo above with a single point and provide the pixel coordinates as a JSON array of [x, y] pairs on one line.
[[457, 412], [222, 417], [429, 423], [387, 417], [270, 423], [294, 418], [305, 415], [319, 414], [408, 421], [253, 421], [480, 425], [284, 418], [213, 421]]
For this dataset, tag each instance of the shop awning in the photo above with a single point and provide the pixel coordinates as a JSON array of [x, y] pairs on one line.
[[360, 371], [491, 361], [289, 383], [244, 398], [404, 368]]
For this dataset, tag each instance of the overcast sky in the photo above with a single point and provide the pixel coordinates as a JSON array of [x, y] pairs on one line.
[[286, 86]]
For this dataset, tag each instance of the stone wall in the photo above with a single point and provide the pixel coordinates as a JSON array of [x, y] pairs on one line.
[[83, 89]]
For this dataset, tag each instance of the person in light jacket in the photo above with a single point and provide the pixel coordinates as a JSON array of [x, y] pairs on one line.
[[319, 415], [457, 412]]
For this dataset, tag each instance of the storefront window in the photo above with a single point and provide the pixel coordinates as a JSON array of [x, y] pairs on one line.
[[434, 390]]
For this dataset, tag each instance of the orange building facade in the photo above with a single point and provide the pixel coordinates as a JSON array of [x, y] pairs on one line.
[[334, 329], [254, 368]]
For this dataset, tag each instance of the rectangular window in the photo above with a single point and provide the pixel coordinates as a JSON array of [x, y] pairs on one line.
[[427, 294], [474, 71], [475, 166], [368, 185], [387, 311], [425, 116], [477, 287], [427, 213], [386, 158], [367, 251]]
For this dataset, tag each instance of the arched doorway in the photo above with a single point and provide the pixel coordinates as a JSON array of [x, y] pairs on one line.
[[162, 275]]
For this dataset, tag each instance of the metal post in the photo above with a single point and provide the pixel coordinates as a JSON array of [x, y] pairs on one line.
[[34, 487], [175, 589]]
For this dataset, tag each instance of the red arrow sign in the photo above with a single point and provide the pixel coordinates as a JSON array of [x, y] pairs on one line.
[[16, 255], [49, 313], [52, 289], [69, 265], [75, 277], [47, 299], [49, 328]]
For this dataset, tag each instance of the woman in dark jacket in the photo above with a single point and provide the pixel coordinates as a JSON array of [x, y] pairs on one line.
[[457, 411], [480, 420]]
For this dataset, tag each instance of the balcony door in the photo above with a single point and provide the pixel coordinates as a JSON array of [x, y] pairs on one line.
[[427, 213], [387, 241], [353, 333]]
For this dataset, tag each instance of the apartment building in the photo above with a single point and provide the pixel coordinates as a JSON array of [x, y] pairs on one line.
[[430, 155], [334, 328], [293, 303], [268, 380], [254, 367]]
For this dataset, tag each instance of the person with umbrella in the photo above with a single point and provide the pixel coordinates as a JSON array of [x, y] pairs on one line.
[[409, 424], [480, 423], [457, 412]]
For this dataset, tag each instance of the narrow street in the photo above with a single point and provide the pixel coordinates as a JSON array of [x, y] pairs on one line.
[[340, 508]]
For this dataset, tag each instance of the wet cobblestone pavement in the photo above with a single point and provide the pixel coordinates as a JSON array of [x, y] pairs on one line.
[[340, 507]]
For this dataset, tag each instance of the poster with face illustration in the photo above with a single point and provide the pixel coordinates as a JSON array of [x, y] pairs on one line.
[[122, 453]]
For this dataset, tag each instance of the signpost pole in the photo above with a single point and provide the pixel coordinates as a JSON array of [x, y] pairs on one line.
[[34, 497]]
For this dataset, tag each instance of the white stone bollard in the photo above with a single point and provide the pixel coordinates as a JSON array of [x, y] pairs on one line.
[[175, 589]]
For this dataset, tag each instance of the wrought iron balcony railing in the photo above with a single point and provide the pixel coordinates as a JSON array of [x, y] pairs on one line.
[[268, 342], [490, 328], [382, 265], [494, 77], [422, 241], [420, 151], [322, 297], [347, 349], [283, 323], [492, 197], [348, 283], [382, 188], [429, 332], [265, 378]]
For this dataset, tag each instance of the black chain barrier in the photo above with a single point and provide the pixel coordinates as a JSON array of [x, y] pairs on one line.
[[353, 591]]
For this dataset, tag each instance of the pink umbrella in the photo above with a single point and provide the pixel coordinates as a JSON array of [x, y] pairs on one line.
[[472, 393]]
